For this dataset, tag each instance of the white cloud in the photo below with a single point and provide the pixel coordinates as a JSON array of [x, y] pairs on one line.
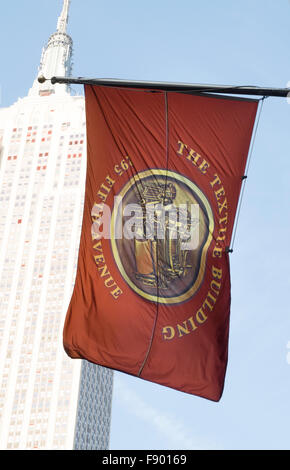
[[168, 425]]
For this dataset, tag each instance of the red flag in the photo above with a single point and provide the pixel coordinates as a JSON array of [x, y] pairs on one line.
[[152, 290]]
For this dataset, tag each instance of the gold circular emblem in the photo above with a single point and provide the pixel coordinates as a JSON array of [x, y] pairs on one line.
[[162, 258]]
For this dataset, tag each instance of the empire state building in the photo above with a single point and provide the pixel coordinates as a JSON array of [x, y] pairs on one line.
[[47, 400]]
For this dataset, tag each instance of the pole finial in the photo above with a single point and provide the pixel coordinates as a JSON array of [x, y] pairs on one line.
[[41, 79]]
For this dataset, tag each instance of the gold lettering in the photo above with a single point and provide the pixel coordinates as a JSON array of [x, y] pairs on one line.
[[115, 293], [200, 316], [102, 195], [211, 296], [99, 259], [105, 188], [223, 229], [183, 330], [182, 145], [217, 273], [109, 282], [193, 325], [222, 205], [217, 285], [224, 219], [208, 304], [216, 180], [193, 156], [220, 192], [98, 246], [110, 181], [217, 252], [204, 166], [168, 332], [104, 270]]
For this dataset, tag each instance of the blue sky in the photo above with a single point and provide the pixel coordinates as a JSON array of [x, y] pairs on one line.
[[224, 42]]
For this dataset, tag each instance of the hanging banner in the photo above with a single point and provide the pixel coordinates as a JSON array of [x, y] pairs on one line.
[[152, 290]]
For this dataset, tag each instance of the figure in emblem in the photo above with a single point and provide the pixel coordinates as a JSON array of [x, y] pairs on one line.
[[158, 256]]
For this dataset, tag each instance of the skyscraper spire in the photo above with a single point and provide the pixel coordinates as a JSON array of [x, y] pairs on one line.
[[63, 19], [56, 57]]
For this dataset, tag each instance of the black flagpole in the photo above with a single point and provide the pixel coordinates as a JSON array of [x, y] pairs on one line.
[[167, 86]]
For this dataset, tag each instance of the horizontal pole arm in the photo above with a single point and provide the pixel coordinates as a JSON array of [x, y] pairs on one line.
[[167, 86]]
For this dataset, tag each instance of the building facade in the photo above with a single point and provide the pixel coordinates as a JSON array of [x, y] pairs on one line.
[[44, 395]]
